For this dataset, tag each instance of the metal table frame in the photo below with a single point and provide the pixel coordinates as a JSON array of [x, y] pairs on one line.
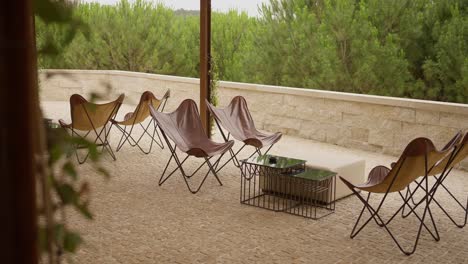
[[281, 187]]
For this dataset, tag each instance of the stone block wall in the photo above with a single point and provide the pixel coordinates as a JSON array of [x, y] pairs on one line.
[[372, 123], [59, 85]]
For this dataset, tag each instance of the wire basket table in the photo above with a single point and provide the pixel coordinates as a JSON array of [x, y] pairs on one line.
[[284, 184]]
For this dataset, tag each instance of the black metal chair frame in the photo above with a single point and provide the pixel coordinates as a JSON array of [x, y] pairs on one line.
[[212, 167], [98, 141], [440, 183], [127, 137], [233, 153], [428, 198]]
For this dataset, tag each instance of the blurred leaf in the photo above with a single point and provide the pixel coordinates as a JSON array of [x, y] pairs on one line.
[[59, 232], [67, 194], [57, 11], [103, 172], [42, 237], [84, 210], [55, 153], [94, 97], [49, 49], [93, 152], [79, 141], [69, 169], [57, 27], [71, 241]]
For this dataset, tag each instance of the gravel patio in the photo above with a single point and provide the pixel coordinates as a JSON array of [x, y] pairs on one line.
[[136, 221]]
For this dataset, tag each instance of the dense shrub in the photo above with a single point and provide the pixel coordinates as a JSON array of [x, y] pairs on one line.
[[405, 48]]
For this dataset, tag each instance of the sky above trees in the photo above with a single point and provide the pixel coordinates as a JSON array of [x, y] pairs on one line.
[[250, 6]]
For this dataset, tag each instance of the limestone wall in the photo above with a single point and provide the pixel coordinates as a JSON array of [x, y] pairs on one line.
[[373, 123]]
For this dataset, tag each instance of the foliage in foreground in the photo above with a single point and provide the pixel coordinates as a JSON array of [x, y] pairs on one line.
[[405, 48], [60, 187]]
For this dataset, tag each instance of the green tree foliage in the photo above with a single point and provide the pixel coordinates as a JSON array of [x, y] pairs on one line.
[[138, 36], [445, 69], [230, 42], [329, 45], [291, 47], [405, 48]]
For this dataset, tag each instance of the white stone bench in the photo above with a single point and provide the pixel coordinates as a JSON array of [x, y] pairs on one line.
[[350, 168], [346, 165]]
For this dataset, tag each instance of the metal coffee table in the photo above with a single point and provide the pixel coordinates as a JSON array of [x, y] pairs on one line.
[[285, 184]]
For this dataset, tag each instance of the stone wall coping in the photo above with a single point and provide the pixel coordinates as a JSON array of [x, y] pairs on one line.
[[151, 76], [332, 95]]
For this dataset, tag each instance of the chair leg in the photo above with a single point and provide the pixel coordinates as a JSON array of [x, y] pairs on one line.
[[121, 141], [105, 142], [440, 181], [151, 136], [199, 186], [233, 158], [161, 181], [76, 147], [377, 218], [213, 170], [109, 149], [256, 151], [426, 210], [160, 143], [78, 157], [268, 150], [362, 211], [372, 211], [137, 142], [352, 235], [179, 165], [104, 147], [406, 200], [464, 208], [127, 137], [436, 236], [184, 175], [408, 191], [418, 235]]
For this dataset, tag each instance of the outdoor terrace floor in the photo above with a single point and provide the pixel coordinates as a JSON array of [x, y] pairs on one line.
[[136, 221]]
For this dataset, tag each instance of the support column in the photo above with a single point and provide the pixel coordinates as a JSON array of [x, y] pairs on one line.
[[18, 133], [205, 67]]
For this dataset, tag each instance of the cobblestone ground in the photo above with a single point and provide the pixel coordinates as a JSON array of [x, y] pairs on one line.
[[136, 221]]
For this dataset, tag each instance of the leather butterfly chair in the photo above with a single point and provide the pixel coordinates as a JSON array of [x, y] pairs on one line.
[[416, 160], [184, 128], [459, 144], [89, 121], [238, 122], [138, 117]]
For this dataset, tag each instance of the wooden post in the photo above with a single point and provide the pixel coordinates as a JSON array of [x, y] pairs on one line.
[[205, 55], [18, 133]]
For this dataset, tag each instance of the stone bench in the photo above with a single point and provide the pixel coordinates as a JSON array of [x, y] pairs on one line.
[[352, 169], [348, 166]]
